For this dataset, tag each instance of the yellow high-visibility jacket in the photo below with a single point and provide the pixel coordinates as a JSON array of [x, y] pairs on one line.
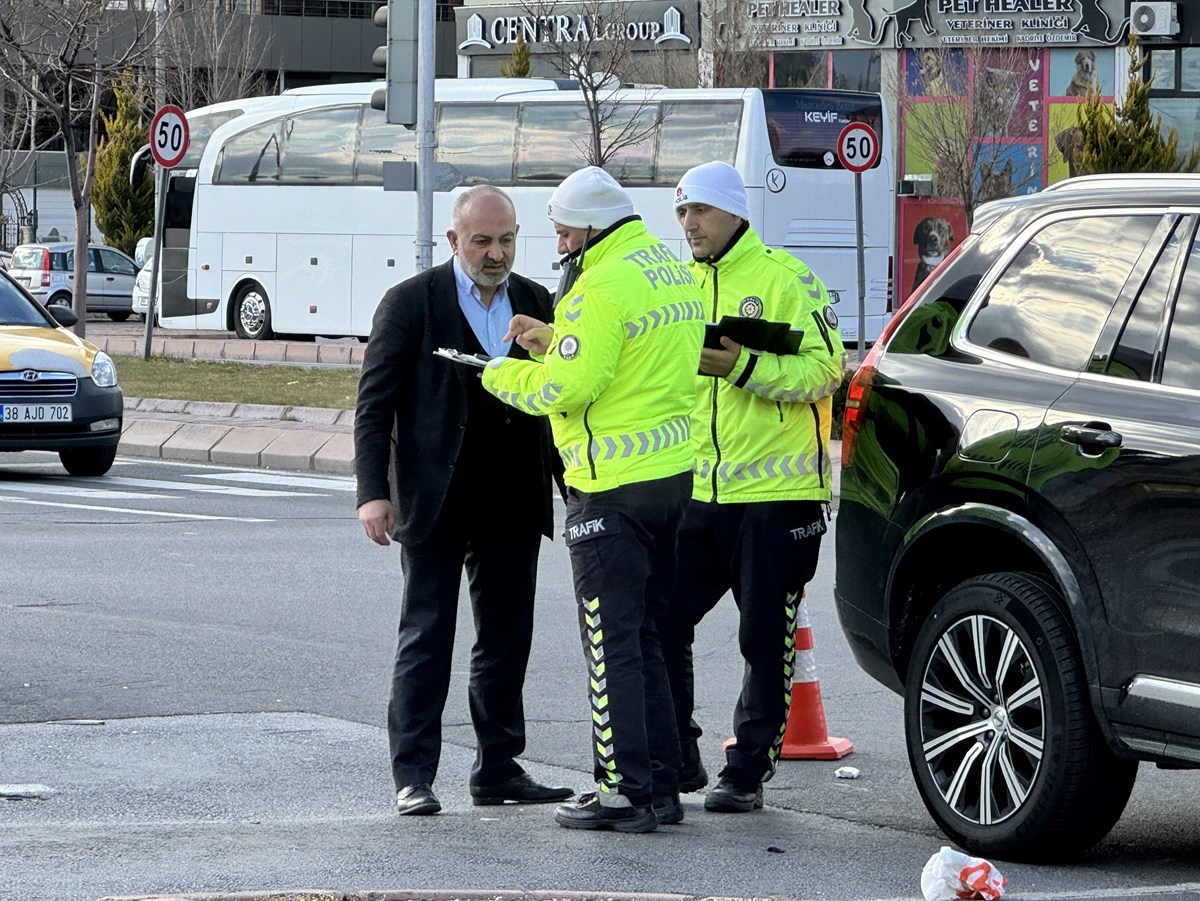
[[761, 433], [619, 378]]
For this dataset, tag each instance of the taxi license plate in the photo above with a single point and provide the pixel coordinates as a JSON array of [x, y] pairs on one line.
[[35, 413]]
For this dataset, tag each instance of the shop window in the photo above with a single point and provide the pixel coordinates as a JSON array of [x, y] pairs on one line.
[[800, 69], [856, 70]]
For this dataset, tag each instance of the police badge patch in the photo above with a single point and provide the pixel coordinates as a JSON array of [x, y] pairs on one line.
[[831, 317], [568, 347], [751, 307]]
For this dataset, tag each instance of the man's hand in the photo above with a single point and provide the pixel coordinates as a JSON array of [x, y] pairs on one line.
[[531, 334], [378, 518], [720, 362]]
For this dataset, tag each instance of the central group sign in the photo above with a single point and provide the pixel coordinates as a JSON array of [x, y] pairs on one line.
[[647, 24]]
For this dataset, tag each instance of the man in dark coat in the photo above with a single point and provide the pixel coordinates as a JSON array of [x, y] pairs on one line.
[[436, 459]]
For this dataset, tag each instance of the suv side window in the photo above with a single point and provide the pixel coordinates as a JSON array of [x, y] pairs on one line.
[[1072, 271], [1133, 355], [1181, 363]]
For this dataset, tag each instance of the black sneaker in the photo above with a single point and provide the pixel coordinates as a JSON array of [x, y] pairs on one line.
[[734, 795], [589, 813], [668, 810]]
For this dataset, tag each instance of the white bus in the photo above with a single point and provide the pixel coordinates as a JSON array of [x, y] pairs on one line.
[[277, 222]]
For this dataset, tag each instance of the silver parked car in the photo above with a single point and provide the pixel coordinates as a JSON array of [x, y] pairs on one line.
[[47, 271]]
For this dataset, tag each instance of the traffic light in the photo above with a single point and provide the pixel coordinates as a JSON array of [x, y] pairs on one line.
[[399, 58]]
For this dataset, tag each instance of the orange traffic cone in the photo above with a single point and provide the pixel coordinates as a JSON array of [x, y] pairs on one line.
[[805, 737]]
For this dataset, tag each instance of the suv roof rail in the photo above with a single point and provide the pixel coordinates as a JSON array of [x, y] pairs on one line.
[[1121, 180]]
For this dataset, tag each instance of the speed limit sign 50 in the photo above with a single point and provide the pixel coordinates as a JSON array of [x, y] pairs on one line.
[[858, 147], [168, 136]]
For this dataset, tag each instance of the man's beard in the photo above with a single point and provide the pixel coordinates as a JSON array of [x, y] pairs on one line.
[[482, 277]]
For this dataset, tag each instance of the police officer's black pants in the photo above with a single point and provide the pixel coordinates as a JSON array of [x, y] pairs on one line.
[[622, 545], [766, 553], [501, 564]]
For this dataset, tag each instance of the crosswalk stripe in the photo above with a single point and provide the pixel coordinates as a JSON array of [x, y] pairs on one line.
[[164, 513], [81, 491]]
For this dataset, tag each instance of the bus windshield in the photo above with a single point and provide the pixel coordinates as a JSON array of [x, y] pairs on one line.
[[804, 125]]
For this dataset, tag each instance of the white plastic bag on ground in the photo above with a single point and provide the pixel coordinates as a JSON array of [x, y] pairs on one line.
[[950, 874]]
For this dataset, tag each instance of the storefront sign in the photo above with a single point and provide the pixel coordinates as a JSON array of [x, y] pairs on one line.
[[647, 25], [856, 24]]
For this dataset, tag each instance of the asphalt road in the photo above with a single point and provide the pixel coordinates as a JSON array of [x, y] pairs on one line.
[[194, 662]]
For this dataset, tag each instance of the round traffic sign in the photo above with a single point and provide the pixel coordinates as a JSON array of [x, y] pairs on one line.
[[169, 136], [858, 147]]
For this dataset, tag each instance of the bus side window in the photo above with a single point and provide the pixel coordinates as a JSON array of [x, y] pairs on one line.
[[694, 131], [478, 140], [381, 143], [319, 148], [550, 142], [632, 162], [252, 156]]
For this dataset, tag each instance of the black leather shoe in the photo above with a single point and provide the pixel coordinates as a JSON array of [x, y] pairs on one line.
[[732, 795], [589, 813], [521, 789], [417, 800], [668, 810], [692, 777]]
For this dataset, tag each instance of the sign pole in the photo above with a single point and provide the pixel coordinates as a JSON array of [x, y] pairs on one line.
[[862, 269], [857, 151], [161, 177], [169, 137]]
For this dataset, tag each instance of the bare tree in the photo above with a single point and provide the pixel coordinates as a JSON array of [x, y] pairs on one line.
[[15, 153], [737, 34], [213, 53], [78, 48], [595, 51], [963, 110]]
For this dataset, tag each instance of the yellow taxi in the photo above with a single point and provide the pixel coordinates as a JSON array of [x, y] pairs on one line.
[[58, 392]]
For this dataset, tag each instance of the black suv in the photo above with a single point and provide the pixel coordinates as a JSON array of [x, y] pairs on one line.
[[1018, 541]]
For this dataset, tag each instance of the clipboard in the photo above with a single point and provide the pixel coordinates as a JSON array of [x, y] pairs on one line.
[[756, 334], [476, 360]]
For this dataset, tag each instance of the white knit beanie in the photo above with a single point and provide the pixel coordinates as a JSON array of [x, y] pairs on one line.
[[589, 198], [715, 184]]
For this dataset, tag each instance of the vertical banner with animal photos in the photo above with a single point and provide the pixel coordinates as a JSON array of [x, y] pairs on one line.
[[1072, 73], [1019, 112], [929, 228]]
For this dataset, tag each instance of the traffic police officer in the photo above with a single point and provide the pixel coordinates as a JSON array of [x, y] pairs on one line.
[[616, 374], [761, 427]]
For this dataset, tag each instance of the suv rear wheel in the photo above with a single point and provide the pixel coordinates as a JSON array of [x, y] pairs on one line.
[[1001, 738]]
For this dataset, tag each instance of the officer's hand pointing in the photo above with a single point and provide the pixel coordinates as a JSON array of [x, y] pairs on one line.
[[531, 334]]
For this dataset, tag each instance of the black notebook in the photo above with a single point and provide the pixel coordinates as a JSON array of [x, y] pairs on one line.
[[756, 334]]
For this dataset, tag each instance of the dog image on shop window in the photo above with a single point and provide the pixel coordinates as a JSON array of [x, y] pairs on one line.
[[933, 237], [1084, 76]]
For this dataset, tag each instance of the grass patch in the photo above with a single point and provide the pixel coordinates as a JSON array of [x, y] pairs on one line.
[[241, 383]]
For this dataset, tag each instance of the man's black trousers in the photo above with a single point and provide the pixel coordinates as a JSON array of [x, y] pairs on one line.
[[766, 553], [501, 564], [622, 545]]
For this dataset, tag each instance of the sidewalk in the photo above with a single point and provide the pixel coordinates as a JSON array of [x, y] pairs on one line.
[[296, 439]]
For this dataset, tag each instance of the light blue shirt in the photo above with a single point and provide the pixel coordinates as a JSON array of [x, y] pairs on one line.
[[489, 323]]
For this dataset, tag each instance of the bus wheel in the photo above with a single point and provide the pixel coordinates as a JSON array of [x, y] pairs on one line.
[[252, 313]]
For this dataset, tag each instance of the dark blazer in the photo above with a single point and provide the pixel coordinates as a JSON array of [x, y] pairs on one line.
[[412, 405]]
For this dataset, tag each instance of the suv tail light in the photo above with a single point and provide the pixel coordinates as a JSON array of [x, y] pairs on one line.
[[859, 390], [45, 269]]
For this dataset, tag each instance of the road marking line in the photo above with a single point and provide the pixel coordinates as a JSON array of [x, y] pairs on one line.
[[200, 487], [335, 483], [80, 491], [1178, 888], [21, 500]]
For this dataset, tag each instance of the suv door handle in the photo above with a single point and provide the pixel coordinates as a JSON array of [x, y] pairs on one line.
[[1097, 435]]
